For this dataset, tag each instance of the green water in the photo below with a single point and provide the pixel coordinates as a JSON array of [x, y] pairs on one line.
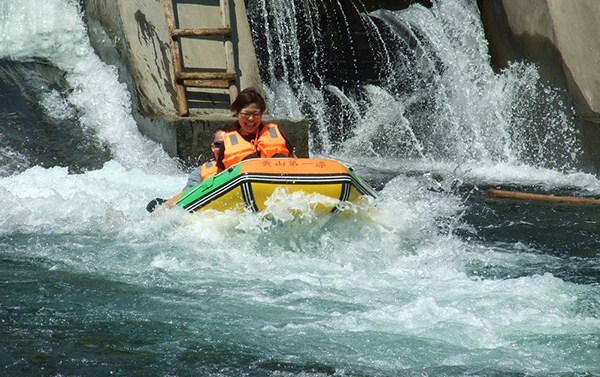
[[446, 284]]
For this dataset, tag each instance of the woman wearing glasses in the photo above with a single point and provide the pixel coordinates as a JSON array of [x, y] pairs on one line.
[[250, 137], [207, 169]]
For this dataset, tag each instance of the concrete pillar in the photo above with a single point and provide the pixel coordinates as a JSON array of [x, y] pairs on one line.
[[563, 39]]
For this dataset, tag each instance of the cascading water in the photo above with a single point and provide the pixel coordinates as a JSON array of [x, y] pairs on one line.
[[102, 104], [428, 280], [437, 97]]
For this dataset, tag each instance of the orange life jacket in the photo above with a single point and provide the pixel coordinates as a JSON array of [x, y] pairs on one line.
[[268, 143], [208, 169]]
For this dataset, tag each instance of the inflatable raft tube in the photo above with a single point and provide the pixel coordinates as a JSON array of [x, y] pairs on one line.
[[250, 183]]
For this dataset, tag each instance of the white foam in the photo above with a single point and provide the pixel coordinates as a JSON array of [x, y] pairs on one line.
[[41, 199]]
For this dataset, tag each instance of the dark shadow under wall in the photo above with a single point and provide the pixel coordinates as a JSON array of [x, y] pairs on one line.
[[506, 47], [371, 5]]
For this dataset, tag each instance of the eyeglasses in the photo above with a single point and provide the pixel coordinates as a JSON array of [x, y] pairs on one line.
[[248, 115], [217, 144]]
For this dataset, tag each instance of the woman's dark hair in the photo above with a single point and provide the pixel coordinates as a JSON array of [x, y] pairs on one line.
[[247, 97]]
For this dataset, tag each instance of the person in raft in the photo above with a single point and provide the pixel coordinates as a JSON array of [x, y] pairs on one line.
[[249, 137], [207, 169], [197, 175]]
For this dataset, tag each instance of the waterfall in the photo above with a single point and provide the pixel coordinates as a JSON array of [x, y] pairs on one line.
[[409, 84], [51, 62]]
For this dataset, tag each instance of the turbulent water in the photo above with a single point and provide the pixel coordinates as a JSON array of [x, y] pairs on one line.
[[432, 278]]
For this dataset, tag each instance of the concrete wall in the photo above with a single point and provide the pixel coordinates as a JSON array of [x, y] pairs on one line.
[[563, 39], [133, 35], [139, 30]]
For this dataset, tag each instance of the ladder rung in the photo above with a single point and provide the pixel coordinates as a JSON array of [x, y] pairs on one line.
[[215, 32], [216, 84], [206, 76]]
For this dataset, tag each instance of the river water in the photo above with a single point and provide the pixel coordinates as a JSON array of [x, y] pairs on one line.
[[430, 279]]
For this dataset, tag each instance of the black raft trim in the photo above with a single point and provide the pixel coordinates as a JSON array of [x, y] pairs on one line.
[[245, 180], [249, 196]]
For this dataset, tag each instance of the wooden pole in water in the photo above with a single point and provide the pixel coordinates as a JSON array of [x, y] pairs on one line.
[[504, 194]]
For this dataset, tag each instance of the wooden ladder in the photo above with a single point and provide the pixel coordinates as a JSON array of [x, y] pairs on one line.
[[185, 77]]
